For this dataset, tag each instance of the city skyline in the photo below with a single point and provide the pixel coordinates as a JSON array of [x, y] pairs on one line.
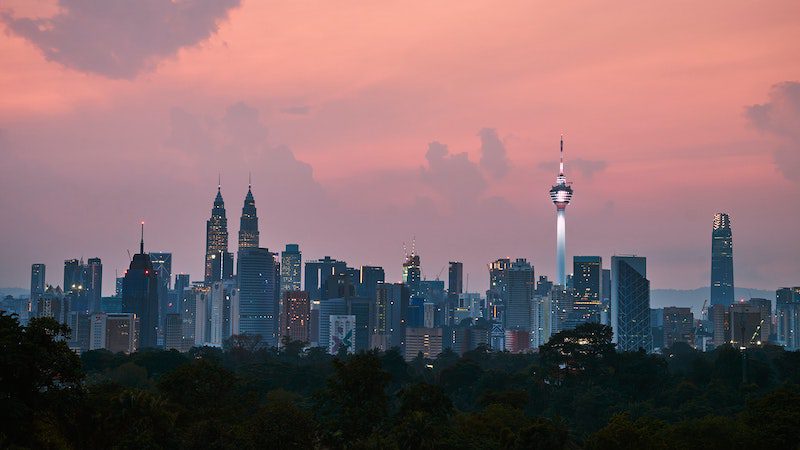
[[353, 157]]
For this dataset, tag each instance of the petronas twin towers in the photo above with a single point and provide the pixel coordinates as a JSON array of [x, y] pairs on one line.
[[219, 262]]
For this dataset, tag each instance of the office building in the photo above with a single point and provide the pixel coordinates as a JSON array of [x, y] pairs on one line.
[[371, 276], [216, 241], [342, 334], [497, 294], [295, 316], [38, 281], [787, 312], [678, 326], [173, 332], [259, 289], [521, 284], [587, 289], [721, 261], [291, 268], [630, 303], [412, 274], [140, 296], [162, 264], [248, 224], [746, 322], [93, 283], [424, 341], [317, 273]]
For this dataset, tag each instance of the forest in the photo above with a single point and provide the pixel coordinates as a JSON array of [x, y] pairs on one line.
[[577, 392]]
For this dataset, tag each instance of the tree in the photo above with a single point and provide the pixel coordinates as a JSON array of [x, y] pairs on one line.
[[354, 402], [40, 378], [587, 348]]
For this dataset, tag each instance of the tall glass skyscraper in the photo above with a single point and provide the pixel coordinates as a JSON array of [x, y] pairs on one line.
[[94, 283], [248, 225], [140, 295], [258, 293], [630, 303], [722, 261], [216, 240], [587, 288], [521, 283], [38, 273], [291, 267]]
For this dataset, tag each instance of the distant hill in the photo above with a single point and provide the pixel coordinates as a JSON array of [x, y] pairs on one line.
[[15, 292], [693, 298]]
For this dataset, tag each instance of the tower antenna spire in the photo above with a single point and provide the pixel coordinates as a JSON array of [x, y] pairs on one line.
[[561, 163], [141, 243], [249, 180], [219, 181]]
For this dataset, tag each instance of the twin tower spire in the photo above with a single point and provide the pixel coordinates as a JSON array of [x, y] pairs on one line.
[[217, 231]]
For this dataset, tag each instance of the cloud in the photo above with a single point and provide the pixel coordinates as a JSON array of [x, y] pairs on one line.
[[453, 176], [586, 167], [298, 110], [120, 38], [780, 117], [493, 153]]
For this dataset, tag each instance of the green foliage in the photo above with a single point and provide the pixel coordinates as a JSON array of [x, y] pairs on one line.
[[577, 393]]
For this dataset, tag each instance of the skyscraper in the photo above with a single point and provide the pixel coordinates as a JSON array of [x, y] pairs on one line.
[[38, 273], [317, 273], [521, 283], [497, 294], [371, 276], [73, 274], [587, 288], [140, 295], [561, 195], [258, 290], [721, 261], [248, 225], [291, 267], [412, 273], [94, 283], [162, 264], [216, 240], [455, 278], [630, 303], [295, 316]]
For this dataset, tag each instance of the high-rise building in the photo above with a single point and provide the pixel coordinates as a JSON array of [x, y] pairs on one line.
[[291, 267], [317, 273], [630, 303], [371, 276], [93, 283], [162, 264], [391, 312], [455, 278], [721, 261], [173, 332], [561, 195], [521, 283], [678, 326], [38, 281], [587, 289], [140, 296], [787, 311], [497, 294], [746, 322], [248, 224], [217, 241], [258, 291], [427, 341], [295, 316], [412, 273], [765, 306], [220, 307], [73, 274]]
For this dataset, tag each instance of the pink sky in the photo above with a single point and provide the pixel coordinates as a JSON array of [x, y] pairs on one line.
[[115, 111]]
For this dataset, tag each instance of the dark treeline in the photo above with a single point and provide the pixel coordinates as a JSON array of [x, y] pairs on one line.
[[577, 392]]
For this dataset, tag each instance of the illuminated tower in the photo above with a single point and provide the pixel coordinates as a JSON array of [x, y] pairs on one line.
[[561, 195], [722, 261], [248, 226], [216, 239]]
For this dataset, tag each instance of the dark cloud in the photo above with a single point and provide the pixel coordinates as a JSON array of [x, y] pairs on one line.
[[586, 167], [453, 176], [493, 153], [780, 117], [120, 38]]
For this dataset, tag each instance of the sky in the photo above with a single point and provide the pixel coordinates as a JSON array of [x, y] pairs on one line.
[[366, 125]]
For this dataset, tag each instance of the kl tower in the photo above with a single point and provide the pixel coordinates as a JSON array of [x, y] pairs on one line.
[[561, 195]]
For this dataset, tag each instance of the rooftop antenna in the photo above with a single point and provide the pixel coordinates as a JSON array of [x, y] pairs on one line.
[[141, 243], [219, 181], [249, 180], [414, 246], [561, 164]]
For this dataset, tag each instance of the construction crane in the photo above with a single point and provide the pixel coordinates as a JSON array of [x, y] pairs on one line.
[[757, 334], [440, 273]]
